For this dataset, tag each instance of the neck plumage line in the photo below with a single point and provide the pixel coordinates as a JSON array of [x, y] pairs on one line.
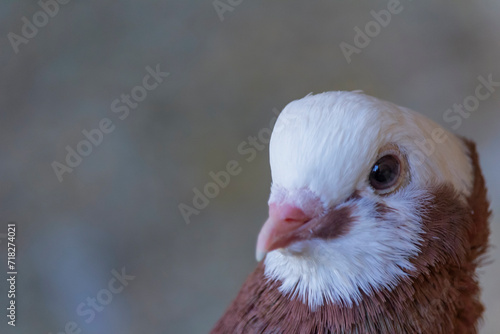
[[440, 296]]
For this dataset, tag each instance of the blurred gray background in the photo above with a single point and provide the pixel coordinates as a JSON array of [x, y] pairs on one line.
[[119, 207]]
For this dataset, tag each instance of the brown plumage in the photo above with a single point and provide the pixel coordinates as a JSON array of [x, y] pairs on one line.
[[378, 220], [442, 298]]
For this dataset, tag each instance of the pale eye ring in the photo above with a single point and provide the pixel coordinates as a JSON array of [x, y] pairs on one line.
[[385, 174]]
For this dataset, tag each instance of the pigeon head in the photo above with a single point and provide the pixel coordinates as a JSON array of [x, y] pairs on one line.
[[352, 179]]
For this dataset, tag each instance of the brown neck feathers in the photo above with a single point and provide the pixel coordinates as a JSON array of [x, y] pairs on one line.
[[440, 296]]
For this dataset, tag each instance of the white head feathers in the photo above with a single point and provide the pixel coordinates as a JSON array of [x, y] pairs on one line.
[[327, 143]]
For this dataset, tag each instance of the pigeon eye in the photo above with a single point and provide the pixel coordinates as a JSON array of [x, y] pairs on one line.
[[385, 174]]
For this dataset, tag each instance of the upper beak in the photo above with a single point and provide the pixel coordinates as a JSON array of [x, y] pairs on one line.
[[278, 229]]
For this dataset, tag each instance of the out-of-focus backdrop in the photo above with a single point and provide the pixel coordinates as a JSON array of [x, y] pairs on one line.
[[72, 70]]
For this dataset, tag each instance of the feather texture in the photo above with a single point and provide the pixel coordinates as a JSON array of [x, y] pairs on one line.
[[403, 262]]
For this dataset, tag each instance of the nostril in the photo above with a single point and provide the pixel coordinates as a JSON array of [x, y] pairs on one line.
[[288, 213], [292, 214], [285, 220]]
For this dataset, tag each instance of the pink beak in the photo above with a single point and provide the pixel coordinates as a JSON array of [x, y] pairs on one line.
[[276, 233]]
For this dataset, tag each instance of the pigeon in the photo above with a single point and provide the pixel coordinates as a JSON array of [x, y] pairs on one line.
[[378, 222]]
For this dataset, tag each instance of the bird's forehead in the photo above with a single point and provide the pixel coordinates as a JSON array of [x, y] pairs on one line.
[[327, 142]]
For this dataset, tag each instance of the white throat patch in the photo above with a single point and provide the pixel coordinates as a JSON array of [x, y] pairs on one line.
[[327, 143], [370, 257]]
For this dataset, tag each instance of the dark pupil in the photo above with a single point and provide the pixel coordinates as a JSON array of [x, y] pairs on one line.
[[384, 172]]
